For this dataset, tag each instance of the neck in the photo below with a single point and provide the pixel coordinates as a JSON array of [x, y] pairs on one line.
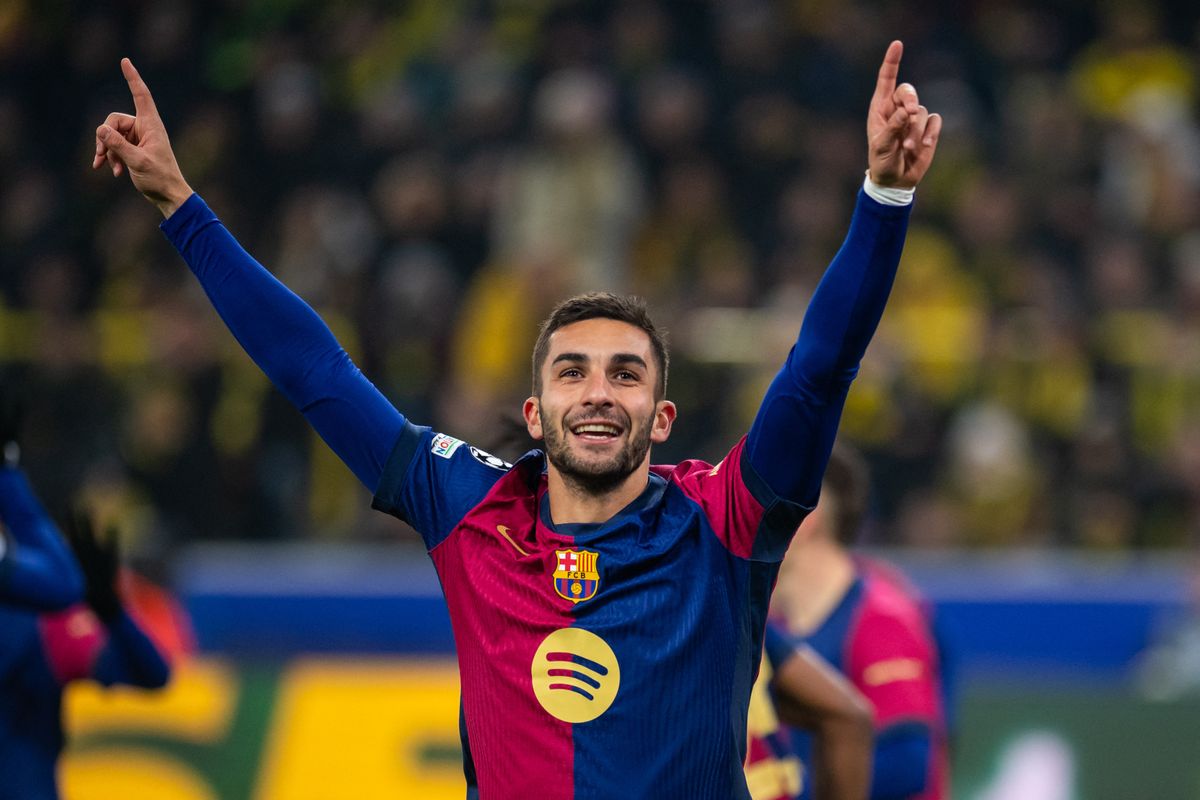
[[815, 577], [571, 503]]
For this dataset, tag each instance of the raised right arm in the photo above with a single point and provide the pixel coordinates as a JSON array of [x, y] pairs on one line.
[[287, 340]]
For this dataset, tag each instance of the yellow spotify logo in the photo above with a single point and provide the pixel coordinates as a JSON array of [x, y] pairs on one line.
[[575, 675]]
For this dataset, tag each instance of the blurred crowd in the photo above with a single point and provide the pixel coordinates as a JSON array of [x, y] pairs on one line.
[[433, 175]]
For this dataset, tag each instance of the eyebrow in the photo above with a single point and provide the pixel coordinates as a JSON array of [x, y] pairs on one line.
[[617, 359], [629, 358]]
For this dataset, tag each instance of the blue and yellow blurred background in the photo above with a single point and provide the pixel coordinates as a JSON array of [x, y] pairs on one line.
[[432, 175]]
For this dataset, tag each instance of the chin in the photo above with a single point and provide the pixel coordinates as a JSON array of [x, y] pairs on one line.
[[600, 482]]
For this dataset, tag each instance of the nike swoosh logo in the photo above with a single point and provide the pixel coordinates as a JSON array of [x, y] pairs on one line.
[[503, 530]]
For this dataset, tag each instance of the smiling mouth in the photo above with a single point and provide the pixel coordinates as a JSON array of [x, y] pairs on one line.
[[596, 431]]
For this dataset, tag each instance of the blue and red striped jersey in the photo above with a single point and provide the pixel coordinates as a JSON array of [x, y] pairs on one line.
[[597, 658], [878, 635]]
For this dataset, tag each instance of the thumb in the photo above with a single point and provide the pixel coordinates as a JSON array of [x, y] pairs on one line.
[[121, 147]]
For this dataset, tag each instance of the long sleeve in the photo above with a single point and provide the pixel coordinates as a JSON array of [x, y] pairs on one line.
[[289, 342], [792, 436], [37, 568], [128, 656]]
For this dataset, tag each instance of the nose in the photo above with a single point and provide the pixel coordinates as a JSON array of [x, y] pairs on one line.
[[598, 391]]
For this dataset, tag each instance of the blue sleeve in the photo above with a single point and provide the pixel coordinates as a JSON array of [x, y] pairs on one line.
[[289, 342], [37, 569], [432, 480], [901, 766], [792, 436], [128, 656]]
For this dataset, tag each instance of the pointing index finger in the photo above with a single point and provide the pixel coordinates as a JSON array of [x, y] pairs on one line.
[[885, 86], [143, 103]]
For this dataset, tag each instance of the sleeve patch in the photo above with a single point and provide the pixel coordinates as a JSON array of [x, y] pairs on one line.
[[893, 671], [444, 446], [489, 460]]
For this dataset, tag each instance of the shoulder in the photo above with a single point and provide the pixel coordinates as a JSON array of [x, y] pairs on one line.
[[426, 463], [433, 480], [684, 470], [700, 479], [892, 574], [890, 627], [431, 444], [886, 603]]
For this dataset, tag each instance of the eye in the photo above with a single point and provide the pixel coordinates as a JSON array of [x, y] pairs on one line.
[[626, 375], [570, 372]]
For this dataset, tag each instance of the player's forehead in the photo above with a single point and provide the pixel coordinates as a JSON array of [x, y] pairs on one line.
[[600, 339]]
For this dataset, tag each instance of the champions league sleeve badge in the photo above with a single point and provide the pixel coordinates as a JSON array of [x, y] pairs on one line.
[[575, 575]]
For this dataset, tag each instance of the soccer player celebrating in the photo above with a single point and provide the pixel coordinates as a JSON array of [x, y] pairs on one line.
[[608, 615], [863, 618]]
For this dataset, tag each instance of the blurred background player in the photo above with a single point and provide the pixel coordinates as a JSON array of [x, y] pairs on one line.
[[41, 653], [856, 613], [800, 689], [37, 570]]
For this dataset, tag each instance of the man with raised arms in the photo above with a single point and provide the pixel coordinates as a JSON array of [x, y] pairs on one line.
[[608, 614]]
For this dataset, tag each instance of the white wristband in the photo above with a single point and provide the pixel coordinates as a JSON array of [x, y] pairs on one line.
[[887, 195]]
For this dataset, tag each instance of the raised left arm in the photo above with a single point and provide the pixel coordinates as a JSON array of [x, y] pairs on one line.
[[792, 436]]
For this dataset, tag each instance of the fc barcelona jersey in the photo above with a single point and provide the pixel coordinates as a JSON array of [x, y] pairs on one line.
[[597, 660], [607, 660], [878, 636]]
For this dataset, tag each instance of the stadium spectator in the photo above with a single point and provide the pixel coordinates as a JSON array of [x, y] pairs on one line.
[[523, 601]]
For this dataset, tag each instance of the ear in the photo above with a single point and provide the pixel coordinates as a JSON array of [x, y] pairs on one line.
[[664, 417], [532, 412]]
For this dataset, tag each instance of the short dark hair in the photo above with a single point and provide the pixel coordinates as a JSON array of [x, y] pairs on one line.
[[602, 305], [848, 483]]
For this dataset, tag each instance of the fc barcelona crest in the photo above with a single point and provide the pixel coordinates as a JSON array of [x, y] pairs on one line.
[[575, 575]]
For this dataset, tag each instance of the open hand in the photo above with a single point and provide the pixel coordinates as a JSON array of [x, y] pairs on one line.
[[901, 133], [139, 144]]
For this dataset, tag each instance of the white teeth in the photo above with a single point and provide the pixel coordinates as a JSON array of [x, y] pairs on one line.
[[596, 428]]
